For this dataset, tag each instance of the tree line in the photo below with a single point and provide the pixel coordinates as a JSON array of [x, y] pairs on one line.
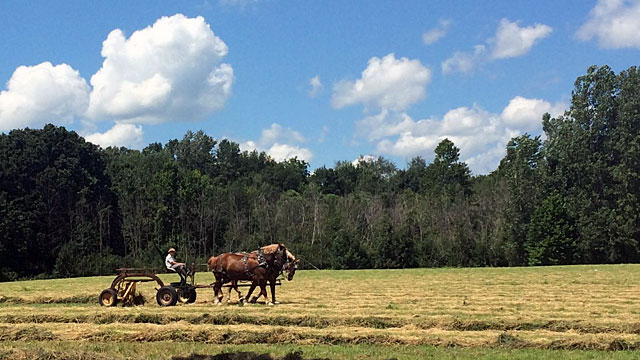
[[70, 208]]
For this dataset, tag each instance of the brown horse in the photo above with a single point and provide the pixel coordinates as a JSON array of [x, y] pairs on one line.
[[290, 267], [256, 267]]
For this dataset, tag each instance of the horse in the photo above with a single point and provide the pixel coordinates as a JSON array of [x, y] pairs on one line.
[[257, 267], [290, 267]]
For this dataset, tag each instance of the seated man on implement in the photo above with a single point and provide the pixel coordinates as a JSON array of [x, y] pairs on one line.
[[171, 264]]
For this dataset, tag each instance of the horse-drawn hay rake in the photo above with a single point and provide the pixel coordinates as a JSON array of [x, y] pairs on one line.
[[124, 286], [123, 289]]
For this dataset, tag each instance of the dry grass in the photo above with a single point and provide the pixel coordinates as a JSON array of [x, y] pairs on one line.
[[577, 307]]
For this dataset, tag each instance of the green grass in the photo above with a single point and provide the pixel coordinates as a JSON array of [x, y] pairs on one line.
[[164, 350]]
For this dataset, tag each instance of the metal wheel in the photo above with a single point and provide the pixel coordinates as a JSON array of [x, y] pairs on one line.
[[166, 296], [108, 297]]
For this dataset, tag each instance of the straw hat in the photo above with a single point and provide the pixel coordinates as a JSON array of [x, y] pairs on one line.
[[172, 250]]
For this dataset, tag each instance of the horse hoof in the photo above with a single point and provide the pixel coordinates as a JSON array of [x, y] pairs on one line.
[[275, 303], [270, 303]]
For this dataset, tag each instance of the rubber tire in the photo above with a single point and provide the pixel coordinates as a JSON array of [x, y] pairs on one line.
[[108, 297], [166, 296]]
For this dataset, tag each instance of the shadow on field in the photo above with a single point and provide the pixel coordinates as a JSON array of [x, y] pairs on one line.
[[297, 355]]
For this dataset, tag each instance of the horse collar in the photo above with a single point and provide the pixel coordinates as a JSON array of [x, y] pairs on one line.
[[262, 261], [246, 268]]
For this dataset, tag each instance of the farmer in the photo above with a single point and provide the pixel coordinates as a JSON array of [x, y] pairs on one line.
[[171, 264]]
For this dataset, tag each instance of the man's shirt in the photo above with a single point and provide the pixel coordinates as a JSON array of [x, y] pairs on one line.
[[169, 261]]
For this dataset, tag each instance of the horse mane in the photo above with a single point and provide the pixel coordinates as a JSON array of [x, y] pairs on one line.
[[212, 262], [270, 249], [290, 256]]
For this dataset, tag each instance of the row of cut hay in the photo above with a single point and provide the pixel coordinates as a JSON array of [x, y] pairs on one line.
[[454, 324], [236, 335], [74, 299], [43, 354], [206, 318]]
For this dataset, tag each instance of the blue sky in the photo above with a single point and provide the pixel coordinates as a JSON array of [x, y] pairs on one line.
[[320, 80]]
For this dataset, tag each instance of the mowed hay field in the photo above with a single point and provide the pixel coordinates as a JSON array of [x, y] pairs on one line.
[[576, 312]]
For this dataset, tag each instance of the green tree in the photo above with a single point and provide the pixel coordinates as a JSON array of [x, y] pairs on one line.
[[522, 170], [414, 178], [446, 175], [326, 180], [592, 157], [196, 151], [55, 194], [551, 237]]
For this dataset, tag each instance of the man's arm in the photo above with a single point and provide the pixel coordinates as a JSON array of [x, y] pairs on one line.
[[175, 263]]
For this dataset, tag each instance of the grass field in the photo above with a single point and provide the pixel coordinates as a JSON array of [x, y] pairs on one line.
[[575, 312]]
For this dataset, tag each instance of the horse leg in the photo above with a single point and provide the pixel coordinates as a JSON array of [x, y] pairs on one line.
[[216, 293], [216, 289], [253, 287], [220, 293], [240, 297], [272, 284], [263, 292], [229, 292]]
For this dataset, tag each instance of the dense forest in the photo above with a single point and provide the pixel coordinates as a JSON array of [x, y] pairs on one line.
[[70, 208]]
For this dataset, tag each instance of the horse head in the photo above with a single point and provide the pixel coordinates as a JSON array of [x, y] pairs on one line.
[[276, 255], [291, 265]]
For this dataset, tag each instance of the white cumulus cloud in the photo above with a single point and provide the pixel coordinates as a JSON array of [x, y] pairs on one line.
[[282, 152], [526, 114], [386, 123], [512, 40], [509, 41], [42, 94], [386, 83], [480, 134], [279, 143], [469, 128], [614, 23], [170, 71], [277, 133], [128, 135]]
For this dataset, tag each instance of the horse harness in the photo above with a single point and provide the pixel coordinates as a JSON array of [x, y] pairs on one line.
[[262, 261]]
